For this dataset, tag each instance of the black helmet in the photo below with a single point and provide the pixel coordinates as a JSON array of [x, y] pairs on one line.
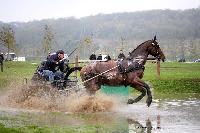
[[60, 52]]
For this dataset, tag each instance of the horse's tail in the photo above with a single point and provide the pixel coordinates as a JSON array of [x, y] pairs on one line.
[[72, 70]]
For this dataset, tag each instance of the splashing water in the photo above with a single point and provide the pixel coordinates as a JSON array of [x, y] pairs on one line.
[[46, 98]]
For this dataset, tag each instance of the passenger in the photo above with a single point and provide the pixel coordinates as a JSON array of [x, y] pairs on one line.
[[49, 54]]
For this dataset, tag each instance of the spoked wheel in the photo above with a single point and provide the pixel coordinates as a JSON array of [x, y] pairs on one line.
[[64, 86], [38, 79]]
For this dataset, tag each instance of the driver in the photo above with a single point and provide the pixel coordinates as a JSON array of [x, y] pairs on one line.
[[54, 63]]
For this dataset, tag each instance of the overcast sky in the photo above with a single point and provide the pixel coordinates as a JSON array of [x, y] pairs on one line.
[[29, 10]]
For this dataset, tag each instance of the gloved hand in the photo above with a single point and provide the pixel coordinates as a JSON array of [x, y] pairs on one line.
[[59, 62]]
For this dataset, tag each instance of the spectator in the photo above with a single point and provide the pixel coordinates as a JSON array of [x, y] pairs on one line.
[[121, 55], [99, 56], [108, 57], [1, 61], [93, 56]]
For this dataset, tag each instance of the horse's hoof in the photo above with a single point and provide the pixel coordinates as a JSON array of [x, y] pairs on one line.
[[130, 101], [149, 100]]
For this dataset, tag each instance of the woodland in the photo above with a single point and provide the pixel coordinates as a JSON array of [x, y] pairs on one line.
[[177, 31]]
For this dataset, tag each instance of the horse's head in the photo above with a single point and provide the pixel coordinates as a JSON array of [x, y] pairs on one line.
[[155, 50]]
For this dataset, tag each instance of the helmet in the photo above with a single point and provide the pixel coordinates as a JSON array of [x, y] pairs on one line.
[[60, 52]]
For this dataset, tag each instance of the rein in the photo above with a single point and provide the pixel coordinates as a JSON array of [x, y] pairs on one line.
[[95, 76]]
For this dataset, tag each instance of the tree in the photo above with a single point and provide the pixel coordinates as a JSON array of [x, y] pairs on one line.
[[48, 40], [7, 38], [192, 49]]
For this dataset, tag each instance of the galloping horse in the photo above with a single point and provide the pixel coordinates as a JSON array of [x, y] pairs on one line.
[[107, 73]]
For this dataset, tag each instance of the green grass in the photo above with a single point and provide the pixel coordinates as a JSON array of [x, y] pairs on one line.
[[16, 72], [34, 123], [65, 129], [175, 77]]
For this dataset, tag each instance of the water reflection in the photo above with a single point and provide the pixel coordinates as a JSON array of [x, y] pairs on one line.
[[165, 115], [137, 127], [158, 122]]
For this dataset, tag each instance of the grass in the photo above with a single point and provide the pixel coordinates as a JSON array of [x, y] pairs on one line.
[[175, 77], [16, 72], [92, 123], [57, 129]]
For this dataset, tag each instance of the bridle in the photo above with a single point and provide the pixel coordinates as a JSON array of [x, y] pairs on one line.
[[157, 55]]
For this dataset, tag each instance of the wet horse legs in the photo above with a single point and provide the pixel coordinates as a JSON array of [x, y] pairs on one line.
[[92, 87], [149, 98], [143, 88]]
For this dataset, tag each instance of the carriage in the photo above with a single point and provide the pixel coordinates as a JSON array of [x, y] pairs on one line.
[[63, 83]]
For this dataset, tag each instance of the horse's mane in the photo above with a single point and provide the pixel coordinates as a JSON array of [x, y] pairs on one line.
[[139, 46]]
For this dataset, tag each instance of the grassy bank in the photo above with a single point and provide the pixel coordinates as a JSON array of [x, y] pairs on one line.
[[64, 123], [16, 72], [175, 77], [58, 129]]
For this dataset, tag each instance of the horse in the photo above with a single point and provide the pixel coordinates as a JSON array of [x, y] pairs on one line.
[[96, 74]]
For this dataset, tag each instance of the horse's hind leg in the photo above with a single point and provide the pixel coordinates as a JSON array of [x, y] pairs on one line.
[[149, 98], [92, 87], [143, 88]]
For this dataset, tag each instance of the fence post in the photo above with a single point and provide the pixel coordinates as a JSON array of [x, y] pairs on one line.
[[76, 65], [1, 63], [25, 81], [158, 68]]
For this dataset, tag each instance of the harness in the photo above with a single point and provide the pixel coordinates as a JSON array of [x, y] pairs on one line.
[[124, 67], [127, 66]]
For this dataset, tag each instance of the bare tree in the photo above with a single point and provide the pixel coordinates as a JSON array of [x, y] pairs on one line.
[[7, 38], [48, 40], [192, 49]]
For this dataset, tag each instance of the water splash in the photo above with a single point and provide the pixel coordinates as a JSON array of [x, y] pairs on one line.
[[46, 98]]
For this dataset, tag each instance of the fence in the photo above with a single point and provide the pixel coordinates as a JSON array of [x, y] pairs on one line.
[[153, 60]]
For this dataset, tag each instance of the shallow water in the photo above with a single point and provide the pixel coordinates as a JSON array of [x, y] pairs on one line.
[[168, 113]]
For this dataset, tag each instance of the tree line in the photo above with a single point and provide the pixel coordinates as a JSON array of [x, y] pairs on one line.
[[178, 33]]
